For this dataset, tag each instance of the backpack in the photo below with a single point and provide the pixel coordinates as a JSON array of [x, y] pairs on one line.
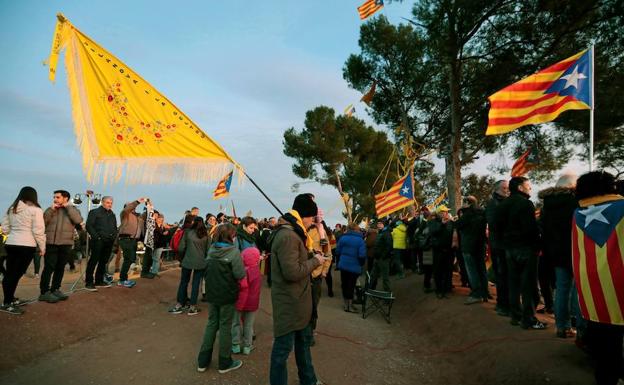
[[175, 240]]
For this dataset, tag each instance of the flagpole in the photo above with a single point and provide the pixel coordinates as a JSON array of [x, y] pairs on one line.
[[262, 192], [591, 114]]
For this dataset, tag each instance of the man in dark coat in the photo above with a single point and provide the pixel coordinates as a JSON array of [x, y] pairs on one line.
[[557, 213], [497, 249], [291, 293], [516, 223], [471, 228], [102, 228], [382, 251]]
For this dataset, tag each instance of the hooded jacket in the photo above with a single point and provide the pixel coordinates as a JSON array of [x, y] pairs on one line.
[[60, 224], [291, 266], [399, 237], [556, 219], [193, 250], [224, 268], [25, 227], [250, 285]]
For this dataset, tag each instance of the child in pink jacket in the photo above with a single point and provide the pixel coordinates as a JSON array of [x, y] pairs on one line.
[[247, 303]]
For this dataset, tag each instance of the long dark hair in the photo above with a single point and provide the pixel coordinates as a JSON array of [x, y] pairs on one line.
[[225, 233], [199, 227], [27, 195]]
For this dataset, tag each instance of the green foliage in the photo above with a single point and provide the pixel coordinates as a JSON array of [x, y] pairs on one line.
[[328, 144]]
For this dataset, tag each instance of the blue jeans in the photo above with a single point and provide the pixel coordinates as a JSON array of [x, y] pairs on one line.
[[477, 275], [156, 260], [282, 346], [566, 300], [185, 278]]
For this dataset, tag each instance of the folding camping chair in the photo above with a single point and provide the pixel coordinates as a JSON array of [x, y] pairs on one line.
[[376, 301]]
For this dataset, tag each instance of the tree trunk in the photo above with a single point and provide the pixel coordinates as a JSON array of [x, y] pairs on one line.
[[453, 164]]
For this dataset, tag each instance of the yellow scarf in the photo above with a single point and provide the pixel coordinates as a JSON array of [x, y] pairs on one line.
[[309, 242], [122, 123]]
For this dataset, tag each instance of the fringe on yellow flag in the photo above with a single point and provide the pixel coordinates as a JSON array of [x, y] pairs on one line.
[[124, 125]]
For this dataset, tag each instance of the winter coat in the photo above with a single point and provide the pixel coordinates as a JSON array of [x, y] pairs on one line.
[[224, 270], [352, 251], [516, 223], [371, 239], [399, 237], [160, 239], [25, 227], [471, 228], [102, 224], [244, 239], [291, 293], [496, 242], [441, 234], [383, 244], [193, 250], [556, 218], [316, 245], [250, 285], [60, 224]]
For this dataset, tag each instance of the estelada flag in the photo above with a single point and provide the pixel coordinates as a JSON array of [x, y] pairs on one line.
[[527, 161], [399, 196], [124, 124], [598, 258], [349, 110], [368, 97], [369, 8], [223, 188], [541, 97]]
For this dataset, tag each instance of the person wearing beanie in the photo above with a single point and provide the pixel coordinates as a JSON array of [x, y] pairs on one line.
[[292, 262]]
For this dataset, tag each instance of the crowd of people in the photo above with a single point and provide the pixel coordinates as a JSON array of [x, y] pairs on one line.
[[537, 256]]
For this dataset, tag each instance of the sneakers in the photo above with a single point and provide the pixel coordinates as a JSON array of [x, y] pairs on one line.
[[193, 310], [148, 275], [19, 302], [537, 325], [235, 365], [177, 310], [12, 309], [247, 350], [60, 295], [90, 287], [48, 297], [127, 283], [236, 349], [201, 370], [472, 300], [103, 284], [108, 278]]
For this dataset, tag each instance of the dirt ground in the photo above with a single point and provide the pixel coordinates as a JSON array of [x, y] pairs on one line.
[[120, 335]]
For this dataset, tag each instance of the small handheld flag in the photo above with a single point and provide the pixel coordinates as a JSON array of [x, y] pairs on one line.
[[542, 97], [369, 8], [527, 161], [223, 188]]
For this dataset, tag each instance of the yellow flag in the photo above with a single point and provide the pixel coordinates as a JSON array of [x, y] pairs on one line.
[[437, 201], [123, 124]]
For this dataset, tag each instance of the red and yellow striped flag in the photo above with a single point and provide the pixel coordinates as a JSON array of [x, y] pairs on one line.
[[527, 161], [598, 258], [543, 96], [223, 188], [369, 8], [399, 196]]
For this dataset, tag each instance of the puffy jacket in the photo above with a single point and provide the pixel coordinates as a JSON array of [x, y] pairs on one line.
[[193, 250], [399, 237], [223, 272], [60, 224], [352, 251], [25, 227], [250, 285]]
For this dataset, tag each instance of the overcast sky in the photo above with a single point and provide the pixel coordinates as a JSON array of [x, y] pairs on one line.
[[244, 71]]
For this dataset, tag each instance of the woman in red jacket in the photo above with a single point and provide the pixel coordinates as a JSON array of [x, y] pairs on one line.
[[247, 303]]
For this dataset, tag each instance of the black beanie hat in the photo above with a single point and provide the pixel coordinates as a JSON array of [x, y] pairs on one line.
[[305, 206]]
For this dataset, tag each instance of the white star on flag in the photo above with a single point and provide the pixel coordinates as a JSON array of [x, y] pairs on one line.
[[572, 79], [594, 213], [405, 190]]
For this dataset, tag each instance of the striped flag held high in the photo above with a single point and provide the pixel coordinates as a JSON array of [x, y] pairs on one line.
[[369, 8], [223, 188], [526, 162], [541, 97], [400, 195]]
